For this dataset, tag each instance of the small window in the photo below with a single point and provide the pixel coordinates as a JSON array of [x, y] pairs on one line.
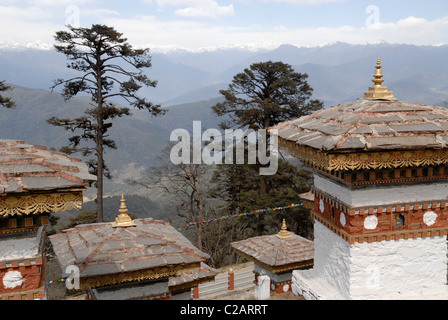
[[399, 221], [28, 222], [12, 223], [44, 220]]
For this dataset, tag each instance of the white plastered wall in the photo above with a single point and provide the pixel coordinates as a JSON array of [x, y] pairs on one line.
[[396, 269]]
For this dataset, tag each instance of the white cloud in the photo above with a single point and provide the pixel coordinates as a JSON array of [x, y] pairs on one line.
[[56, 3], [190, 34], [25, 25], [303, 2], [33, 13], [195, 8], [38, 24], [211, 10]]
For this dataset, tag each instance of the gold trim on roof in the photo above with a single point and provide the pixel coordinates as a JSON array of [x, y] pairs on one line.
[[35, 204], [378, 91], [123, 219], [365, 161], [137, 275], [283, 233], [387, 160]]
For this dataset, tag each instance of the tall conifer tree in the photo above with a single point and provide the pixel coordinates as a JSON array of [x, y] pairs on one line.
[[109, 68]]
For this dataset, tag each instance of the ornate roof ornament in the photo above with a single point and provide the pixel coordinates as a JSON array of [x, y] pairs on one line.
[[283, 233], [378, 91], [123, 219]]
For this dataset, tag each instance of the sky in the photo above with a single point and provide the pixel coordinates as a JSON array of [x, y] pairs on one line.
[[208, 24]]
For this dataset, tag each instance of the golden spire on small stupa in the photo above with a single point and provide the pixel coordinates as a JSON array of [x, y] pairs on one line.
[[283, 233], [123, 219], [378, 91]]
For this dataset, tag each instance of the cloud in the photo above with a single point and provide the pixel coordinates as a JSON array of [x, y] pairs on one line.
[[303, 2], [195, 8], [190, 34], [29, 24], [56, 3], [211, 10], [26, 25]]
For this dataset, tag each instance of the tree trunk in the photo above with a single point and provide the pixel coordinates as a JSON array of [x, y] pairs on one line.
[[99, 145], [99, 174], [201, 217]]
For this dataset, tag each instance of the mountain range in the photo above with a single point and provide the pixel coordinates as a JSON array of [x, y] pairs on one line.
[[338, 72], [189, 84]]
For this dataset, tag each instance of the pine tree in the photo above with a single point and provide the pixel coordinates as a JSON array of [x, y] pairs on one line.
[[5, 101], [109, 68], [260, 97], [265, 94]]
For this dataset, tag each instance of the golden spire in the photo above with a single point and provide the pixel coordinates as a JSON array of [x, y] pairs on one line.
[[378, 91], [123, 219], [283, 233]]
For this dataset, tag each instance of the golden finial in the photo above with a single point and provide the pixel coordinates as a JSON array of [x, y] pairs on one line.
[[378, 91], [123, 219], [283, 233]]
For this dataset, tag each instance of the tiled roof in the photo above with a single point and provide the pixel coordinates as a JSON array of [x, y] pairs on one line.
[[274, 251], [101, 249], [26, 168], [205, 273], [370, 125]]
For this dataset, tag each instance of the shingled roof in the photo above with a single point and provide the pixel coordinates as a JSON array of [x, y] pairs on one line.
[[102, 249], [370, 125], [26, 169], [376, 122], [279, 252], [126, 251]]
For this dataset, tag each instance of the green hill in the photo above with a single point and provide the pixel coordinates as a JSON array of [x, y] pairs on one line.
[[139, 138]]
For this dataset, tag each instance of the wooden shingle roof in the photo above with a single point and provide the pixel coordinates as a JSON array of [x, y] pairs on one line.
[[369, 125], [277, 252], [151, 248], [28, 169]]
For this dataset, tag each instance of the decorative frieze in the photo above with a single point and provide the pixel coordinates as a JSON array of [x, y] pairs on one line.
[[366, 161], [39, 203]]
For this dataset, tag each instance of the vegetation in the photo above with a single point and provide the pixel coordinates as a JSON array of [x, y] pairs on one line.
[[265, 94], [260, 97], [5, 101], [99, 54], [188, 183]]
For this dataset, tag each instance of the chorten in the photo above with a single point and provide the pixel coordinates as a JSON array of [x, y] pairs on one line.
[[277, 256], [34, 183], [140, 259], [379, 197]]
